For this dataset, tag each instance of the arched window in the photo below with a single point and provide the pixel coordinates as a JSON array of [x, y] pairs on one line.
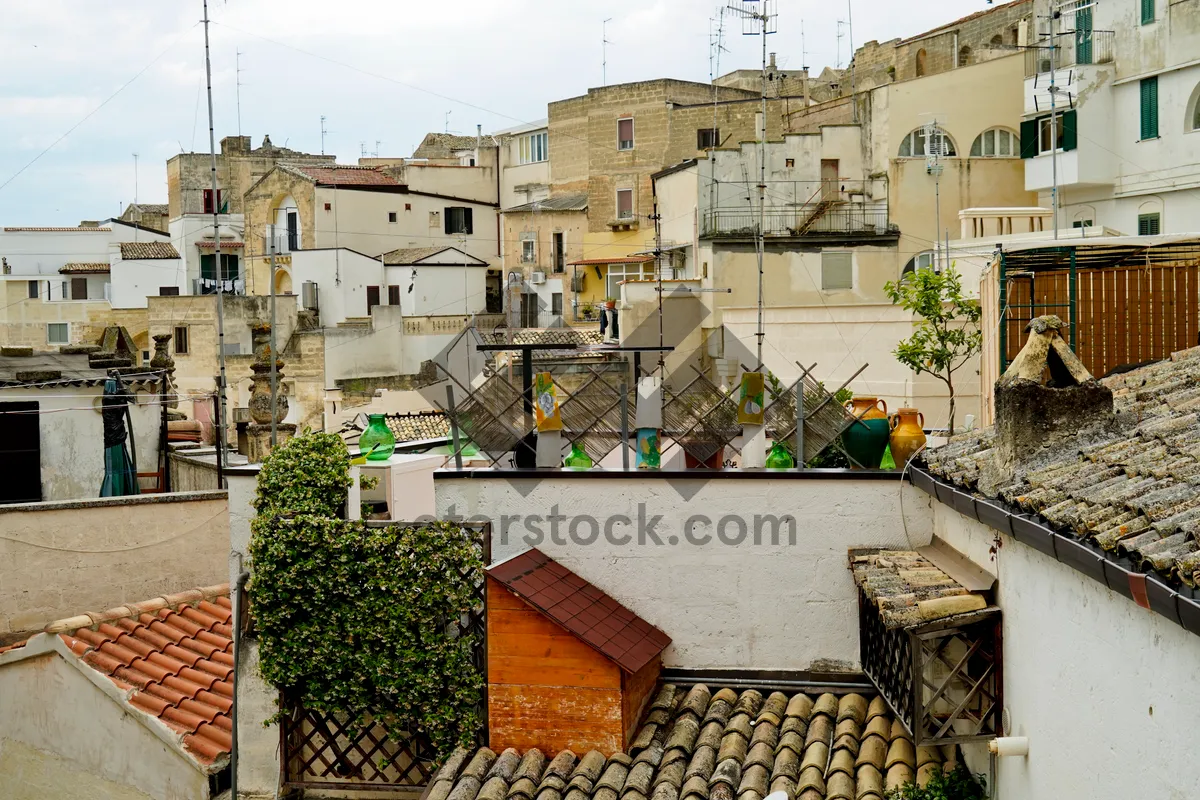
[[996, 143], [914, 145], [997, 41], [919, 261], [921, 62], [964, 56], [1192, 117]]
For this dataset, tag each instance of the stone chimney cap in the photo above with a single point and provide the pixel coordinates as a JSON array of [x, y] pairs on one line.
[[1045, 348]]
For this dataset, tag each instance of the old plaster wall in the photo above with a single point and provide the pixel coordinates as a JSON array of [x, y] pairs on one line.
[[760, 606], [63, 736], [65, 558], [1100, 686]]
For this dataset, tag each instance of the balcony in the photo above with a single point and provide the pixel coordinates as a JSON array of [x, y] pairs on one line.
[[823, 219], [210, 286], [1094, 47]]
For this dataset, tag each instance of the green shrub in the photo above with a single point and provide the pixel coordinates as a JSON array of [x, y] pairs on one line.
[[958, 785]]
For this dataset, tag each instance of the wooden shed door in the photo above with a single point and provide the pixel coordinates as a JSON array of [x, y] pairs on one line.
[[20, 452]]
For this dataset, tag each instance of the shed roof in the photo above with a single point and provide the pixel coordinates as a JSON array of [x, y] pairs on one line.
[[84, 268], [565, 202], [148, 251], [342, 175], [586, 611], [699, 744]]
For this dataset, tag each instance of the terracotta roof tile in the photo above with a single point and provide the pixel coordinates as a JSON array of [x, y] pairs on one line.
[[174, 655], [593, 616], [148, 251], [84, 268], [85, 228], [697, 744], [344, 175], [412, 427]]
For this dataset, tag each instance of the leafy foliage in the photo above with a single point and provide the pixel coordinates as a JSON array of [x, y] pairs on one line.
[[948, 334], [357, 619], [958, 785]]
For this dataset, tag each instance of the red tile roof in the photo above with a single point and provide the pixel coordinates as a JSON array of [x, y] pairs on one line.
[[84, 267], [587, 612], [148, 251], [174, 656], [207, 244], [84, 228], [344, 175]]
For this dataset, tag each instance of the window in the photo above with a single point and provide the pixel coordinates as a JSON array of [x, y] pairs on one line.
[[293, 231], [1147, 11], [996, 143], [168, 291], [1149, 224], [789, 162], [1082, 223], [920, 62], [408, 206], [181, 340], [34, 291], [708, 137], [393, 295], [915, 146], [79, 289], [1038, 136], [58, 333], [208, 202], [919, 261], [560, 253], [372, 298], [1149, 87], [625, 134], [458, 219], [556, 304], [229, 267], [964, 56], [391, 216], [837, 271], [329, 206], [533, 148], [528, 247], [624, 203]]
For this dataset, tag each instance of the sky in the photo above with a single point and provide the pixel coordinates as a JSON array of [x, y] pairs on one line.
[[82, 91]]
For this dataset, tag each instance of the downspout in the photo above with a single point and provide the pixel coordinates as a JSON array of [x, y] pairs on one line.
[[236, 602]]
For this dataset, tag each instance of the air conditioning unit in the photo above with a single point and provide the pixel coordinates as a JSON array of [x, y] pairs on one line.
[[537, 278]]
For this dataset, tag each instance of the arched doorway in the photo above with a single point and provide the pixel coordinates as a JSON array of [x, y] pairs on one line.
[[283, 281], [921, 62]]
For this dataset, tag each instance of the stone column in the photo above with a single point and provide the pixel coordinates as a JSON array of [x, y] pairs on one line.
[[258, 432], [162, 361]]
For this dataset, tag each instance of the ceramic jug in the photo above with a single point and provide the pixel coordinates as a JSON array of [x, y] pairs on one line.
[[867, 437], [908, 435]]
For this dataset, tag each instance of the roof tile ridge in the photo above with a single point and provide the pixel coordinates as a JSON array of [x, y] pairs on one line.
[[134, 610]]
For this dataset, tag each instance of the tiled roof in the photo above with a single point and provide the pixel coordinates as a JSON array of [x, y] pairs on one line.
[[908, 588], [147, 251], [207, 244], [587, 612], [412, 255], [343, 175], [84, 267], [696, 744], [544, 336], [566, 202], [443, 145], [85, 228], [413, 427], [173, 656], [1136, 493], [152, 208]]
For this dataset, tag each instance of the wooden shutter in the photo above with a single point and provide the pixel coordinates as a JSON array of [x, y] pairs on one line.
[[208, 201], [1070, 135], [468, 226], [207, 268], [447, 224], [393, 295], [20, 450], [1029, 138], [372, 298], [1147, 11], [79, 289], [1149, 88]]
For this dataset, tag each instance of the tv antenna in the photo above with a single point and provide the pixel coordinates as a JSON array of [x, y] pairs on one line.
[[604, 43], [237, 86], [377, 143], [936, 148], [760, 18], [841, 24], [323, 132]]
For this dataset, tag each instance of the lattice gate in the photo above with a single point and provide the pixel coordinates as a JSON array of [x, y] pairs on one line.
[[324, 750]]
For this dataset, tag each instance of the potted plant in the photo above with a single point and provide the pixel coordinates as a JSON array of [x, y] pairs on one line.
[[587, 311], [610, 302]]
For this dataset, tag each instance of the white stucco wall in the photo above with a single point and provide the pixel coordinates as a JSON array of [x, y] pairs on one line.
[[342, 276], [135, 280], [72, 437], [188, 229], [64, 735], [759, 606], [1105, 690]]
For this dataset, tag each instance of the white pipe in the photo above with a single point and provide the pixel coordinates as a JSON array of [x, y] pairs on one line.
[[1009, 746]]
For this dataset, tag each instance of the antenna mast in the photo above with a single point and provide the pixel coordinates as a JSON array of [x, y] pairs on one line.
[[604, 43], [1056, 12], [135, 195], [238, 87], [760, 18], [935, 148], [220, 273], [322, 134]]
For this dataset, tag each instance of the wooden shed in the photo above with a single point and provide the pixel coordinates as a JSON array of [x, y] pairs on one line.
[[568, 666]]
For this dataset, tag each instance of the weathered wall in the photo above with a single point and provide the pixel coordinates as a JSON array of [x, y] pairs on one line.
[[63, 736], [763, 606], [1082, 665], [65, 558], [541, 226]]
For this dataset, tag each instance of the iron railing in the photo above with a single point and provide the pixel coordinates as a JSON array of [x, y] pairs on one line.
[[1074, 48], [821, 218]]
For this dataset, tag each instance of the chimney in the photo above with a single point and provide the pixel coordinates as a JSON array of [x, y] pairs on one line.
[[1034, 418], [771, 63], [478, 135], [236, 145]]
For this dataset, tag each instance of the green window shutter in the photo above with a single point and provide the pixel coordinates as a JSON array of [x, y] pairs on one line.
[[1147, 11], [1149, 87], [1070, 130], [1029, 138], [206, 267], [1149, 224]]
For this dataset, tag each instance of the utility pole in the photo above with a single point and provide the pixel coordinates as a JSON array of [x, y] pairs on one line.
[[604, 43], [216, 206], [274, 367]]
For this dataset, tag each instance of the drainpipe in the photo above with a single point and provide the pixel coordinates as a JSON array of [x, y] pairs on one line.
[[236, 602]]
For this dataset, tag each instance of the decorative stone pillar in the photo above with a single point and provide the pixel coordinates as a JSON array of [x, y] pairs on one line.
[[262, 410], [162, 361]]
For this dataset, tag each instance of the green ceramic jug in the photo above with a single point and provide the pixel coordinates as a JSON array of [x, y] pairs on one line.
[[377, 441]]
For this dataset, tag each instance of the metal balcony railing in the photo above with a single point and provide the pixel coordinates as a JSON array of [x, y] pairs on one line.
[[1074, 48], [821, 218]]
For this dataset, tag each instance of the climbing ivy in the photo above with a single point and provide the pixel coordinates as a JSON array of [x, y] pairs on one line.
[[356, 619], [959, 784]]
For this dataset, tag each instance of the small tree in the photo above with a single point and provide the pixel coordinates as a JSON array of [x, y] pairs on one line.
[[948, 334]]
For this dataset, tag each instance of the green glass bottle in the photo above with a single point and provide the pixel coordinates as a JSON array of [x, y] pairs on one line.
[[577, 458], [778, 457], [377, 442]]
